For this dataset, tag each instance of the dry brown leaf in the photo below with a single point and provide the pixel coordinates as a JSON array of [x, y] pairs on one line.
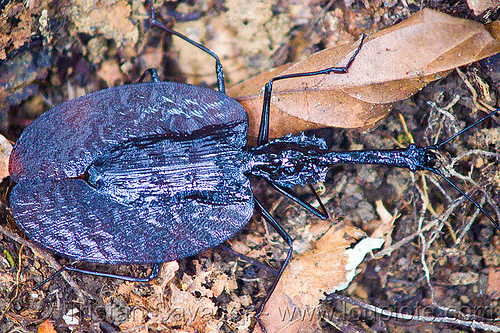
[[494, 283], [463, 278], [15, 27], [5, 149], [385, 224], [393, 64], [46, 327], [329, 266], [111, 73], [224, 283], [190, 311], [480, 6], [111, 19], [135, 322]]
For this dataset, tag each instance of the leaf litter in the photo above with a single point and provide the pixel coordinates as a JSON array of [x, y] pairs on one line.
[[393, 64]]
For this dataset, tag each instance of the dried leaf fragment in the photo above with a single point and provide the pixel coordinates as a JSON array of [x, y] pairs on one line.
[[5, 149], [494, 282], [328, 267], [480, 6], [46, 327], [464, 278], [15, 27], [393, 64], [111, 19]]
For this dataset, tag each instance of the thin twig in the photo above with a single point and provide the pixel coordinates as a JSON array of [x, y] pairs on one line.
[[49, 259], [437, 184], [397, 315], [427, 227], [465, 229]]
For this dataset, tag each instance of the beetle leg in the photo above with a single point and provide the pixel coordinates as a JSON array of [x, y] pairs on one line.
[[218, 65], [70, 267], [323, 214], [263, 137], [270, 219], [151, 71]]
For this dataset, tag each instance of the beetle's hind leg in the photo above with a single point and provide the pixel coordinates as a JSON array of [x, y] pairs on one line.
[[270, 219], [154, 75], [70, 267], [218, 66]]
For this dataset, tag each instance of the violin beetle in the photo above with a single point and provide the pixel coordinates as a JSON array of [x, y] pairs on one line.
[[157, 171]]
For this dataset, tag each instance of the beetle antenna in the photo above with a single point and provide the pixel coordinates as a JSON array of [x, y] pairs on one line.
[[439, 145], [439, 173]]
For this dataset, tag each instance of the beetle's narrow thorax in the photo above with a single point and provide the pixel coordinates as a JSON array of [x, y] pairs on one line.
[[291, 160], [300, 160]]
